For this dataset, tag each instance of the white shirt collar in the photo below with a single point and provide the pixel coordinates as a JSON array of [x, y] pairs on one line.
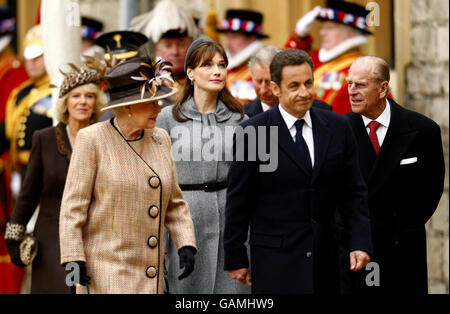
[[265, 106], [384, 118], [290, 119]]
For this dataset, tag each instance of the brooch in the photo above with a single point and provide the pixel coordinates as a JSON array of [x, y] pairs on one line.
[[156, 137]]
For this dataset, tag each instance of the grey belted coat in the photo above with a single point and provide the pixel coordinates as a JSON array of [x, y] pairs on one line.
[[202, 151]]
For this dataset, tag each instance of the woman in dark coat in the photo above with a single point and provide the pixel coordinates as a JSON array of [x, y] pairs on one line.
[[79, 104]]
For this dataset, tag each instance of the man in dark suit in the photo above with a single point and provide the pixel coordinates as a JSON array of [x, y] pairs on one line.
[[291, 208], [259, 65], [402, 162]]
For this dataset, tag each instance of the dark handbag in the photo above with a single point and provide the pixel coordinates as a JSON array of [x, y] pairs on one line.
[[28, 249]]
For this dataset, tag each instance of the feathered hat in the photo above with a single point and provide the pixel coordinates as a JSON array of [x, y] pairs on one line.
[[78, 76], [138, 80], [167, 19]]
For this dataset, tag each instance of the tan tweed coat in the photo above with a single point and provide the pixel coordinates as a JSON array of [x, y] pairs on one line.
[[114, 209]]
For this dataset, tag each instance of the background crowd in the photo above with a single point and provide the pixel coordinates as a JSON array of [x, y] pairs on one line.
[[211, 85]]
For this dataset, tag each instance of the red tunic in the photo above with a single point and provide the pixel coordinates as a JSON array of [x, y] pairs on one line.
[[240, 83], [12, 74]]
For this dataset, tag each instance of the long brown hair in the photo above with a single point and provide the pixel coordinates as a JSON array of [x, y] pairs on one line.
[[203, 53]]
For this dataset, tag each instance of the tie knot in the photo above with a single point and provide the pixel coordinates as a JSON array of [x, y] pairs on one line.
[[299, 125], [373, 125]]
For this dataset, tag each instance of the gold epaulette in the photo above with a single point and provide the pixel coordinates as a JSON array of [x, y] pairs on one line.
[[8, 62], [23, 156], [11, 107], [5, 258], [16, 114]]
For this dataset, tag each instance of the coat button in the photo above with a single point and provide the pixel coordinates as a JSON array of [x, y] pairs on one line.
[[151, 272], [308, 254], [153, 211], [154, 182], [152, 241]]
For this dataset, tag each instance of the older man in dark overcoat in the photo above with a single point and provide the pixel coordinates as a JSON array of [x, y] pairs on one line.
[[402, 162]]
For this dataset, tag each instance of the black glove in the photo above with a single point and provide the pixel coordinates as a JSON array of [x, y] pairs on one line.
[[84, 278], [14, 252], [187, 260]]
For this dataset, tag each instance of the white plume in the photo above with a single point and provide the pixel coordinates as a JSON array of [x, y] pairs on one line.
[[167, 15]]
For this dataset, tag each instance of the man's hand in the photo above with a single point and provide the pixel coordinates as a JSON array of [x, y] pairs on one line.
[[241, 274], [358, 260]]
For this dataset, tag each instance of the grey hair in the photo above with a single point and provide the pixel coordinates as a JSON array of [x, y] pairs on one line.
[[263, 56], [380, 69]]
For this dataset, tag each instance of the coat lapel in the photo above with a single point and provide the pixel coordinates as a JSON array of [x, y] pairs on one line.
[[285, 140], [367, 155], [322, 136], [396, 142], [62, 141]]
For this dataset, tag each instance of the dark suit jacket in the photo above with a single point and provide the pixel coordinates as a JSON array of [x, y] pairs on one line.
[[44, 185], [291, 215], [255, 107], [401, 197]]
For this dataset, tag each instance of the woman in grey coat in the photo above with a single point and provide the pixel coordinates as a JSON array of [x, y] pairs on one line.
[[201, 125]]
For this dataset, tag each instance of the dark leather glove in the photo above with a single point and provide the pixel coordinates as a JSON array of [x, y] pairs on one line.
[[14, 234], [84, 278], [187, 260], [14, 252]]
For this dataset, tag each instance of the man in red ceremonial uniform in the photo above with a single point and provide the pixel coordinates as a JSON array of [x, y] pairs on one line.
[[244, 34], [343, 31], [12, 74]]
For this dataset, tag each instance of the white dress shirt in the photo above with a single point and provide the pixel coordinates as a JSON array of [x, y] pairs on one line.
[[265, 106], [384, 119], [306, 131]]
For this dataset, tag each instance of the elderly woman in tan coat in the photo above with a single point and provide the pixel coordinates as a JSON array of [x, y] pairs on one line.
[[122, 190]]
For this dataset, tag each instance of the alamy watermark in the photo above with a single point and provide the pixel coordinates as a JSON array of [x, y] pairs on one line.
[[373, 18], [211, 143], [373, 277], [73, 274]]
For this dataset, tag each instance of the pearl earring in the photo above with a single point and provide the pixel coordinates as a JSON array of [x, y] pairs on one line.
[[129, 115]]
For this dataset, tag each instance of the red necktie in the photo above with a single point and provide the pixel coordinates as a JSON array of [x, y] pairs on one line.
[[373, 126]]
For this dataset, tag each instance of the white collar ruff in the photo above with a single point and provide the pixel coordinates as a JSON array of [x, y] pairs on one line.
[[4, 42], [244, 54], [327, 55]]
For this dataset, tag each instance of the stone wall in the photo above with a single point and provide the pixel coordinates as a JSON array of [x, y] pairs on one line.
[[427, 91]]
